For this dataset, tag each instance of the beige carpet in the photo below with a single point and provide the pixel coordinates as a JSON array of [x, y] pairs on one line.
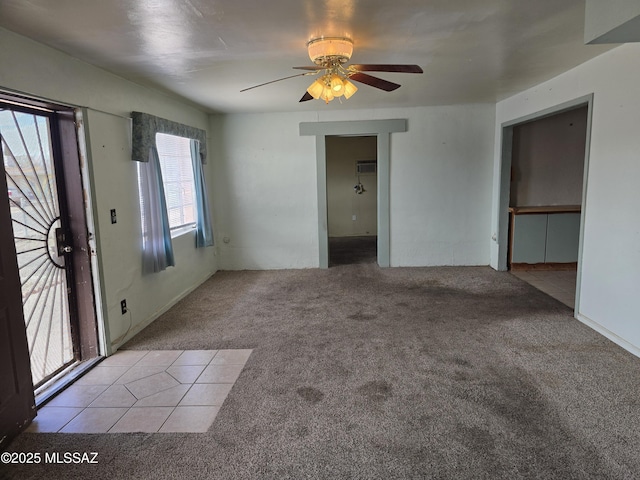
[[359, 372]]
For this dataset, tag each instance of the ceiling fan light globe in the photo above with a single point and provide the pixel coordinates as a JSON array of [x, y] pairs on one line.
[[349, 89], [327, 96], [337, 86], [316, 89]]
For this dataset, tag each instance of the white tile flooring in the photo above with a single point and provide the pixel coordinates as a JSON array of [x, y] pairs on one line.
[[145, 391], [559, 284]]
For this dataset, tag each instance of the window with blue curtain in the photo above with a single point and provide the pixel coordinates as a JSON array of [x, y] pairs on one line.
[[159, 195]]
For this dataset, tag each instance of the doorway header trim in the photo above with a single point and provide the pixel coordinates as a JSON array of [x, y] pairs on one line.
[[356, 127], [548, 112]]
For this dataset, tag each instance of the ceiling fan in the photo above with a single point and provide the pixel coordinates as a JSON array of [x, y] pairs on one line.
[[330, 55]]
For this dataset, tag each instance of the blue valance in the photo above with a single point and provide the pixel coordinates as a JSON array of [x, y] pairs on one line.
[[146, 126]]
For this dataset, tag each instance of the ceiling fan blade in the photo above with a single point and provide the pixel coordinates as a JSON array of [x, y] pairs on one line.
[[306, 97], [313, 68], [274, 81], [374, 82], [387, 68]]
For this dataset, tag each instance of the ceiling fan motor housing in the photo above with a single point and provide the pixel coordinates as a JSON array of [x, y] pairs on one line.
[[330, 50]]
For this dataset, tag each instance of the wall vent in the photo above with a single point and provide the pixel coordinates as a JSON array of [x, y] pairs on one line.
[[366, 167]]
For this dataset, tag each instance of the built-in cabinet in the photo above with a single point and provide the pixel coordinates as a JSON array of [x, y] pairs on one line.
[[544, 235]]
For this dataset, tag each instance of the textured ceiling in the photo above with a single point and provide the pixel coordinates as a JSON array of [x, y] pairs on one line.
[[472, 51]]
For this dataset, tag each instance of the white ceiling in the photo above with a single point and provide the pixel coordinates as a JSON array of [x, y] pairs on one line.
[[472, 51]]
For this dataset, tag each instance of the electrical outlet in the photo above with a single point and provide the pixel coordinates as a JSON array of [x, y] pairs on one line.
[[353, 217], [123, 306], [114, 218]]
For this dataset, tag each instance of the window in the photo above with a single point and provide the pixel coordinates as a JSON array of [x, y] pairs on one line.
[[178, 181], [177, 177]]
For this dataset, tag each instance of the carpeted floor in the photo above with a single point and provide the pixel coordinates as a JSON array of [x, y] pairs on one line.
[[361, 372]]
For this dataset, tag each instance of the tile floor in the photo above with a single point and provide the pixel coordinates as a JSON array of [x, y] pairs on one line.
[[145, 391], [559, 284]]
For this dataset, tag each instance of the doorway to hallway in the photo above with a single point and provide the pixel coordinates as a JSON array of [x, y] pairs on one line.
[[352, 199], [382, 130]]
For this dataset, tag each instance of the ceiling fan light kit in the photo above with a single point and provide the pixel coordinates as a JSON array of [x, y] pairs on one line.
[[329, 55], [329, 87]]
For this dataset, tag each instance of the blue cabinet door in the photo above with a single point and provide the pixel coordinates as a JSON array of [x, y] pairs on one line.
[[529, 238], [563, 237]]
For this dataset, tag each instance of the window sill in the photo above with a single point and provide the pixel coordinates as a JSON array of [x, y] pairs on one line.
[[179, 232]]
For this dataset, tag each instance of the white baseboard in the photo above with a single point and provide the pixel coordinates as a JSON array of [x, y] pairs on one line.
[[142, 325], [629, 347]]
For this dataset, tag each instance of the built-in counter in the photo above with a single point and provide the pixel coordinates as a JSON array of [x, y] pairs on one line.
[[544, 235]]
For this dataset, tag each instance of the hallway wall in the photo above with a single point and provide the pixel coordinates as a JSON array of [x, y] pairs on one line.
[[265, 197]]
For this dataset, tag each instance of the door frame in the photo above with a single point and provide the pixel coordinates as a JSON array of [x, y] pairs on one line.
[[72, 141], [382, 130], [505, 179]]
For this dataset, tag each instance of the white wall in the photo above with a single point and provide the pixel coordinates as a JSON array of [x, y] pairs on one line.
[[610, 273], [265, 187], [548, 160], [440, 187], [43, 72], [264, 192]]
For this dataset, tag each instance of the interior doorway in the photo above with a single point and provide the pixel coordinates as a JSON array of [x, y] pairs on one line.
[[544, 178], [47, 205], [382, 130], [352, 199]]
